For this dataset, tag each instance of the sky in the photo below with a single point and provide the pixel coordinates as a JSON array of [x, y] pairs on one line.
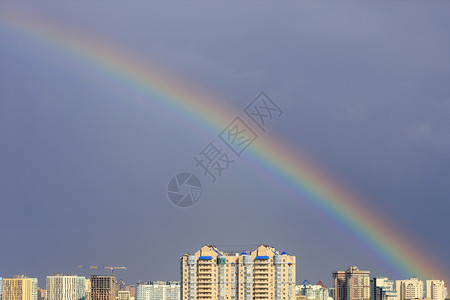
[[86, 156]]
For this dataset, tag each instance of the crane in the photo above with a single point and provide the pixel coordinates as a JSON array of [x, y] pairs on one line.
[[103, 267]]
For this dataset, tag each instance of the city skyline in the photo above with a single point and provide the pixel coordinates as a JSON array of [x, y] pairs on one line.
[[214, 274], [252, 252]]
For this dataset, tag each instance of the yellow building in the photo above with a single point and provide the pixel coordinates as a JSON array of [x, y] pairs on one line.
[[261, 274], [20, 288], [436, 289], [411, 288]]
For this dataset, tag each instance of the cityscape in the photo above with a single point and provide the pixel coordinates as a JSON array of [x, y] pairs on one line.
[[212, 274], [224, 150]]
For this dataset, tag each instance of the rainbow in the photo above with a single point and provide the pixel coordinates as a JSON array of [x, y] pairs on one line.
[[290, 168]]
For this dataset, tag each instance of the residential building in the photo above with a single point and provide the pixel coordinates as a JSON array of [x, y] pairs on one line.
[[436, 290], [352, 284], [261, 274], [411, 288], [123, 295], [65, 287], [158, 290], [87, 289], [42, 294], [381, 288], [20, 287], [103, 287], [312, 291]]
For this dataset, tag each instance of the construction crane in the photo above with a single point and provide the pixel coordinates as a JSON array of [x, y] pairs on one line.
[[103, 267]]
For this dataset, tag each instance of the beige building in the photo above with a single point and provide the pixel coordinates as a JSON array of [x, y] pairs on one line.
[[65, 287], [123, 295], [260, 274], [103, 287], [411, 288], [87, 289], [158, 290], [20, 288], [352, 284], [313, 291], [436, 290]]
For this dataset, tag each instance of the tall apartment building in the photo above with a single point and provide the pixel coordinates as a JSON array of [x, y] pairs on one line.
[[312, 291], [20, 288], [158, 290], [65, 287], [87, 289], [103, 287], [411, 288], [261, 274], [436, 290], [352, 284], [381, 288]]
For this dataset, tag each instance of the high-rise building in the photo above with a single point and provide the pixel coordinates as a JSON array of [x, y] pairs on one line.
[[411, 288], [381, 288], [20, 287], [436, 290], [352, 284], [158, 290], [261, 274], [103, 287], [87, 289], [65, 287], [312, 291]]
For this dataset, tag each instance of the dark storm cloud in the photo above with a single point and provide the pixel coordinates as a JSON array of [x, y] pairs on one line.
[[365, 93]]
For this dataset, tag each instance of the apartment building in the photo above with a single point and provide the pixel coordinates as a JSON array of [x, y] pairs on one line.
[[65, 287], [261, 274], [103, 287], [19, 287], [436, 290], [352, 284], [411, 288], [158, 290], [381, 288]]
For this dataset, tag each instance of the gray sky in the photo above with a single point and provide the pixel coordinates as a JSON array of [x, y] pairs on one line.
[[84, 167]]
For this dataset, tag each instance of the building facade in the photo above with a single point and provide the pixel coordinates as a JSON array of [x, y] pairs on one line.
[[158, 290], [381, 288], [352, 284], [87, 289], [123, 295], [312, 291], [65, 287], [411, 288], [42, 294], [20, 287], [261, 274], [436, 290], [103, 287]]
